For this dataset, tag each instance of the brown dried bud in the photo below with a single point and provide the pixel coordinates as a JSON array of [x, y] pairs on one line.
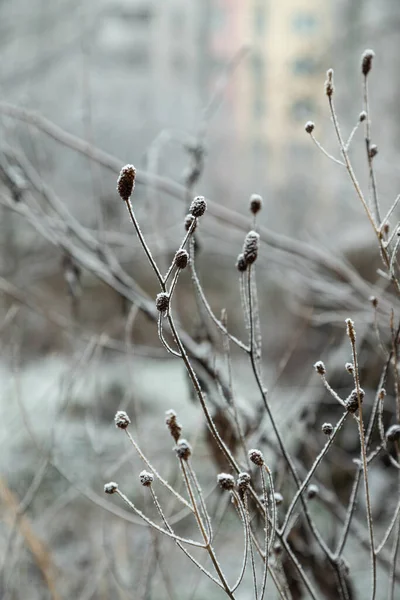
[[121, 419], [393, 433], [174, 427], [183, 449], [352, 400], [146, 478], [309, 126], [198, 206], [312, 491], [226, 481], [256, 457], [181, 259], [241, 264], [126, 182], [243, 481], [366, 61], [327, 428], [255, 203], [374, 301], [373, 150], [278, 498], [320, 367], [362, 116], [349, 367], [162, 302], [329, 89], [111, 488], [189, 219], [382, 394], [351, 332], [250, 247]]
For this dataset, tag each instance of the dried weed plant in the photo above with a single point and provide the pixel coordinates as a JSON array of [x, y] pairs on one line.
[[284, 549], [252, 490]]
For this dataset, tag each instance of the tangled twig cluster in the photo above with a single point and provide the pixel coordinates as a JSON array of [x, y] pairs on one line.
[[253, 495]]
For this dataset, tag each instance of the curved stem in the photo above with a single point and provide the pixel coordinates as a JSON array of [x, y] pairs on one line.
[[154, 471], [216, 321], [155, 526], [145, 246], [200, 524], [181, 546], [311, 472], [242, 515], [164, 341]]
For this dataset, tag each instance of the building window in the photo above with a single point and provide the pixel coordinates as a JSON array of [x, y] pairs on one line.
[[302, 109], [304, 23], [304, 66], [259, 19]]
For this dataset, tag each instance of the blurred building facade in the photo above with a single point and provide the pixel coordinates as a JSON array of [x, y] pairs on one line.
[[120, 72], [281, 82]]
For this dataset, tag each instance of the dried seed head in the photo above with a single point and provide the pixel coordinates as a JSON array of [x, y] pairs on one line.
[[183, 449], [181, 259], [393, 433], [126, 182], [329, 88], [162, 302], [226, 481], [111, 488], [366, 61], [362, 116], [256, 457], [188, 222], [312, 491], [327, 428], [352, 401], [174, 427], [241, 264], [373, 150], [121, 419], [374, 301], [146, 478], [351, 332], [278, 498], [309, 126], [243, 481], [255, 203], [198, 206], [349, 367], [320, 367], [250, 247]]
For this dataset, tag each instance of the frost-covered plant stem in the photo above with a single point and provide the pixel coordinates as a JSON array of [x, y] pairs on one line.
[[352, 338]]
